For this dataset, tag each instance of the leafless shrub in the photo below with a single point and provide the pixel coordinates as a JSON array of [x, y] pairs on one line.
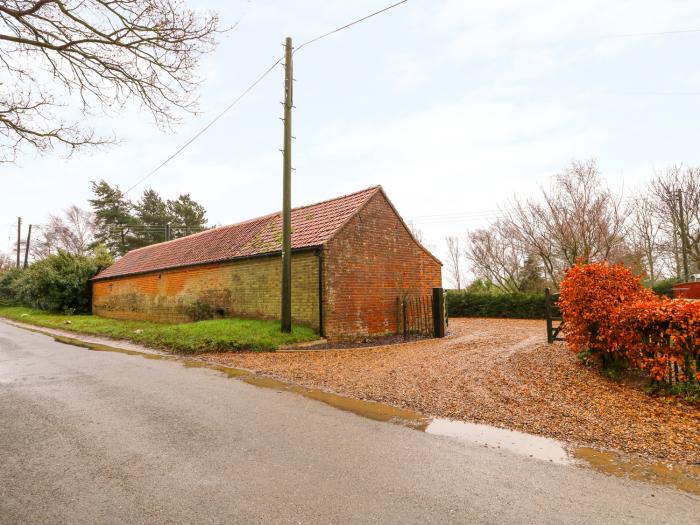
[[73, 232], [497, 256]]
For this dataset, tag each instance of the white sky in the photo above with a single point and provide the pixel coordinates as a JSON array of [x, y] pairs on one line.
[[453, 106]]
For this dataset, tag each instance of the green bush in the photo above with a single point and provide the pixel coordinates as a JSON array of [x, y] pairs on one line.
[[8, 286], [664, 288], [519, 306], [59, 283], [199, 311]]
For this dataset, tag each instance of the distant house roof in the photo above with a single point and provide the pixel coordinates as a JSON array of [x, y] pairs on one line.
[[312, 226]]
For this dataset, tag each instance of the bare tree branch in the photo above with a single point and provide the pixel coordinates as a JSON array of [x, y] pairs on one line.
[[665, 190], [102, 53], [497, 256], [454, 261], [73, 232]]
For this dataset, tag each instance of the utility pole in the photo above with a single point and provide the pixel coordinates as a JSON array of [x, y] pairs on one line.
[[26, 248], [684, 236], [287, 191], [674, 242], [19, 240]]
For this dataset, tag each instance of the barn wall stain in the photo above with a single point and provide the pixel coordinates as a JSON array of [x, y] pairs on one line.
[[247, 288]]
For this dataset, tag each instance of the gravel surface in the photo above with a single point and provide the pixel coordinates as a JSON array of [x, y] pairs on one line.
[[500, 372]]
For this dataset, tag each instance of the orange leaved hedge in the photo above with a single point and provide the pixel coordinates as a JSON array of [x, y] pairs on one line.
[[610, 315]]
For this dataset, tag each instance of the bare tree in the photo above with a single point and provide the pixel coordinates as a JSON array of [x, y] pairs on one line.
[[416, 232], [669, 189], [576, 218], [530, 224], [586, 220], [6, 262], [419, 236], [646, 235], [98, 55], [73, 232], [454, 261], [496, 255]]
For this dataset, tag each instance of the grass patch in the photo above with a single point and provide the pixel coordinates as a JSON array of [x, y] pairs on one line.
[[219, 335]]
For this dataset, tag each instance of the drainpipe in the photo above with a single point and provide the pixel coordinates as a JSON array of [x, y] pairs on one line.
[[319, 253]]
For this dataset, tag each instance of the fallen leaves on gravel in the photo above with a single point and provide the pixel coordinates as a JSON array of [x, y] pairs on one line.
[[500, 372]]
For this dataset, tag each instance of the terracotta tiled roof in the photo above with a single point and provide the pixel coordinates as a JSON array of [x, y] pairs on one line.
[[312, 225]]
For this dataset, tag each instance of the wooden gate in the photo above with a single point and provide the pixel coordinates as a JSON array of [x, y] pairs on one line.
[[422, 315], [554, 319]]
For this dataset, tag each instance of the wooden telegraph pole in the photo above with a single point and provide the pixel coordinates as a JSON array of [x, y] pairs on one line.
[[684, 237], [26, 248], [19, 239], [287, 192]]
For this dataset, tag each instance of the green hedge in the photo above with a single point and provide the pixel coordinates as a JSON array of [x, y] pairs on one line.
[[58, 283], [664, 288], [518, 306]]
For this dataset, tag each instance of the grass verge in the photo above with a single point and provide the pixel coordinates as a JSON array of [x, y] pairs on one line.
[[219, 335]]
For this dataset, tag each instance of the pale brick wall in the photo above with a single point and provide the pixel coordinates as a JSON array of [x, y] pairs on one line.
[[246, 288], [370, 262]]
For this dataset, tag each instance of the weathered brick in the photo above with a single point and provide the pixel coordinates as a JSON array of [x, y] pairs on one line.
[[369, 262], [246, 288]]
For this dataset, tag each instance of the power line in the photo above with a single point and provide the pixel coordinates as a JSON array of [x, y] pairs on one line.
[[654, 33], [240, 18], [210, 124], [329, 33], [457, 221], [253, 85], [456, 214]]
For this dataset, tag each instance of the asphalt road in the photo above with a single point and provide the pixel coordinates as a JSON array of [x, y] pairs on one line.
[[99, 437]]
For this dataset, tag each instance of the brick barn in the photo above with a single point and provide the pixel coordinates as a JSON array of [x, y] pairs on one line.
[[352, 256]]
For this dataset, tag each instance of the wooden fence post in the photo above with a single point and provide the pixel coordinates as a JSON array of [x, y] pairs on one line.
[[405, 323], [548, 314], [444, 307], [398, 316], [438, 313]]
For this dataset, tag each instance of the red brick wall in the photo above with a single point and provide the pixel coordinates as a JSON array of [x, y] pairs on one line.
[[370, 262]]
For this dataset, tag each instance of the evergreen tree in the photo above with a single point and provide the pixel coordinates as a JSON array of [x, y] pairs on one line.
[[187, 216], [152, 214], [121, 225], [114, 223]]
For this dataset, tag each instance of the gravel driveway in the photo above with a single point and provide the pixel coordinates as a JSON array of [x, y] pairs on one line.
[[500, 372]]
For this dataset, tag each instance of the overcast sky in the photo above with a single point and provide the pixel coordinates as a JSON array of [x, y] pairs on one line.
[[452, 106]]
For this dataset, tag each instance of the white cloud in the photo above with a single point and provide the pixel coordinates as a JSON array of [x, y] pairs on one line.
[[468, 155], [410, 72], [500, 28]]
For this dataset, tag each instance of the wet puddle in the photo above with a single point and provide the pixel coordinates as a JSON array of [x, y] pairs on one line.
[[683, 477], [368, 409], [97, 347], [537, 447], [686, 478]]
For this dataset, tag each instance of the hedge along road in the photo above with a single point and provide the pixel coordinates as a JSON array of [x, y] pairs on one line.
[[105, 437]]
